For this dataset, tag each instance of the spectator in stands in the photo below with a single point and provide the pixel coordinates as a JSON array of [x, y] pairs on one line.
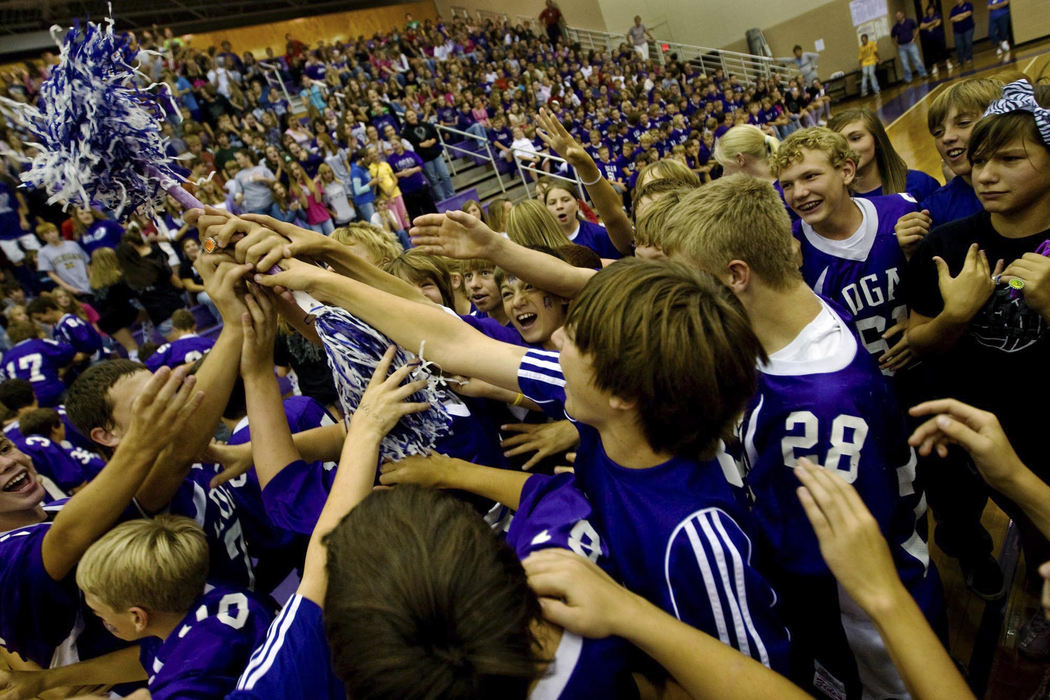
[[252, 183], [552, 20], [191, 278], [639, 36], [65, 262], [146, 271], [426, 142]]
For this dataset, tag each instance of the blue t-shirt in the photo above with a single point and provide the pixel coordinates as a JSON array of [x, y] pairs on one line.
[[963, 25], [918, 184], [187, 349], [955, 200], [861, 273], [38, 361], [904, 31], [64, 464], [294, 661], [673, 531], [205, 654], [409, 159], [998, 8], [363, 192], [101, 234], [595, 237]]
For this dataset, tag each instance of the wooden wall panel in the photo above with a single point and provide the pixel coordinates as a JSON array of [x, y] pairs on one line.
[[340, 26]]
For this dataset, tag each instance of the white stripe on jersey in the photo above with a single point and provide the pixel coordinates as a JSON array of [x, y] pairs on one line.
[[566, 656], [715, 544], [741, 588], [263, 657], [543, 359], [545, 378]]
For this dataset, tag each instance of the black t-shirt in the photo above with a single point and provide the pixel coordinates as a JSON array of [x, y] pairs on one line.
[[188, 272], [1000, 362], [310, 364], [419, 132], [114, 307]]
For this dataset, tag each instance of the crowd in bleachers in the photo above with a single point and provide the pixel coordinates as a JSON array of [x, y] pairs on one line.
[[689, 424]]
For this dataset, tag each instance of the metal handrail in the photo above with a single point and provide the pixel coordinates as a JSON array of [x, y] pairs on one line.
[[445, 148], [522, 169]]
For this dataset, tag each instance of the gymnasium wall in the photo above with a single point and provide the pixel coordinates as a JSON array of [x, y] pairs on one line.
[[340, 26]]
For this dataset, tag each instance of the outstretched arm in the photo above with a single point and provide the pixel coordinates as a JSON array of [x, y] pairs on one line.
[[856, 552], [438, 471], [452, 344], [580, 597], [381, 407], [160, 415], [980, 434], [456, 234], [607, 202]]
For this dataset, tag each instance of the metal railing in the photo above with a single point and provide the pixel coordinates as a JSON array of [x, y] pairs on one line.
[[748, 67], [526, 166], [488, 156]]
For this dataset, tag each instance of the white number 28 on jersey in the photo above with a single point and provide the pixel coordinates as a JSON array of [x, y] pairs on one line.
[[848, 434]]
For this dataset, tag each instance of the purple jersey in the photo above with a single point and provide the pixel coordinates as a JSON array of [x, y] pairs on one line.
[[294, 662], [673, 532], [277, 547], [823, 398], [205, 654], [102, 234], [67, 466], [407, 161], [595, 237], [187, 349], [215, 511], [40, 614], [38, 362], [553, 513], [862, 272], [72, 330]]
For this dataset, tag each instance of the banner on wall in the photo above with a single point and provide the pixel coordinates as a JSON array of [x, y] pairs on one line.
[[865, 11]]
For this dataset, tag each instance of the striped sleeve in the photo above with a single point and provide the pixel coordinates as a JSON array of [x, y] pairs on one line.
[[713, 587], [293, 662], [540, 379]]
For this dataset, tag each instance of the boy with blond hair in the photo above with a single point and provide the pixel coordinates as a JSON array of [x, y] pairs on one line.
[[377, 246], [145, 579], [850, 253], [819, 396]]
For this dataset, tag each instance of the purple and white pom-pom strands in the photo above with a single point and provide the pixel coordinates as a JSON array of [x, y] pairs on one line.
[[97, 131], [354, 349]]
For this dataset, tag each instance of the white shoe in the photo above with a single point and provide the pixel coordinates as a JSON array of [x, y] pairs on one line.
[[933, 72], [998, 51], [950, 66], [1006, 45]]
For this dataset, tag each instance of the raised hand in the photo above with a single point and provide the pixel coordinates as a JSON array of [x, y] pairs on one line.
[[543, 439], [383, 403], [260, 328], [236, 460], [911, 229], [454, 234], [577, 595], [160, 412], [850, 540], [558, 139], [967, 292], [429, 472], [977, 431], [1033, 270]]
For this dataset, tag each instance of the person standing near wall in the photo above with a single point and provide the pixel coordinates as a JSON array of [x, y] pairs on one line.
[[640, 37], [903, 34], [805, 61], [868, 55], [552, 19], [999, 25], [931, 29], [961, 18]]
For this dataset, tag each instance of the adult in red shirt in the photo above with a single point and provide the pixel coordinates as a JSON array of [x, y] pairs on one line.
[[551, 18]]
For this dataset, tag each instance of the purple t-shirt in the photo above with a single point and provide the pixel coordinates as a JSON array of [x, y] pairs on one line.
[[408, 159], [188, 348], [38, 361]]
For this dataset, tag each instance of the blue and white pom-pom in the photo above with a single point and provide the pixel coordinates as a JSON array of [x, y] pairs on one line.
[[354, 349], [97, 131]]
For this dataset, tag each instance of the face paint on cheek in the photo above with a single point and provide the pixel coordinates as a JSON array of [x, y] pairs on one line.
[[548, 303]]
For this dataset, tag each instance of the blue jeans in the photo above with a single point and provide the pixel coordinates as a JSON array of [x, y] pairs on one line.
[[365, 210], [999, 28], [964, 46], [205, 300], [477, 130], [909, 55], [326, 227], [867, 74], [440, 182]]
